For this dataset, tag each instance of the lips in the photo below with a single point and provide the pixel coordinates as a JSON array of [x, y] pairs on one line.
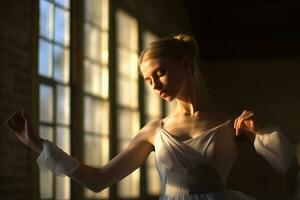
[[162, 93]]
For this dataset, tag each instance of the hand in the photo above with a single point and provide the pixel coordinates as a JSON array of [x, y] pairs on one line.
[[23, 130], [246, 122]]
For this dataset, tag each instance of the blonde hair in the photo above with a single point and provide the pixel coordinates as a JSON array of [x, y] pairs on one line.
[[176, 48]]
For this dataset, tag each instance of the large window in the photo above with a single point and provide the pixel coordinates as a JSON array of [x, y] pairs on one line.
[[54, 88], [96, 102], [127, 94]]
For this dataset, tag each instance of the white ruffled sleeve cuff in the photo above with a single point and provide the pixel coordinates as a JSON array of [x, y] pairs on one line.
[[273, 145], [56, 160]]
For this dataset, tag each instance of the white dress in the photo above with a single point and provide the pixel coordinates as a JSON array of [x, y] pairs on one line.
[[197, 169]]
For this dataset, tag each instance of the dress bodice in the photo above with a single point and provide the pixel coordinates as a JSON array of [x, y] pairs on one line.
[[196, 165]]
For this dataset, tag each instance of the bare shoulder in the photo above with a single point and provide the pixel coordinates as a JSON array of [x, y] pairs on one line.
[[147, 132]]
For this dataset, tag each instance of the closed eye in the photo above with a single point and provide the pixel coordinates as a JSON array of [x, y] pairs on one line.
[[161, 72]]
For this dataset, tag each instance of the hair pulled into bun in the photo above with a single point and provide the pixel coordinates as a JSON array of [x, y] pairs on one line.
[[189, 42], [172, 47]]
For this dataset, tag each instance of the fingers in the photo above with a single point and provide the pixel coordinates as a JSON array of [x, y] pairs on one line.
[[16, 121], [244, 121]]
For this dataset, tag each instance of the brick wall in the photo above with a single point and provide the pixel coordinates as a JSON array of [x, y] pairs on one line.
[[15, 79]]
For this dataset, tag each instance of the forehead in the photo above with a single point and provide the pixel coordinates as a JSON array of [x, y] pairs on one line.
[[148, 66]]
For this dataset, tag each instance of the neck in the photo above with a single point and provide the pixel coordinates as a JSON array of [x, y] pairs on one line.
[[191, 101]]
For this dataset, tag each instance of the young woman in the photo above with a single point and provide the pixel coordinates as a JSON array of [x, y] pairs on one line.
[[194, 146]]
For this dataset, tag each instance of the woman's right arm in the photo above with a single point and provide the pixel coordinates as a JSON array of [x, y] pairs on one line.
[[132, 157], [95, 179]]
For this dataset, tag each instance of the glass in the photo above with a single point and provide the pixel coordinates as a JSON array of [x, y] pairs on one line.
[[46, 103], [128, 123], [46, 132], [127, 33], [104, 82], [92, 78], [96, 151], [127, 92], [61, 64], [62, 139], [129, 186], [46, 176], [123, 62], [46, 19], [62, 188], [153, 179], [152, 101], [63, 104], [46, 184], [61, 28], [64, 3], [45, 58], [104, 48], [97, 12], [96, 116], [92, 42]]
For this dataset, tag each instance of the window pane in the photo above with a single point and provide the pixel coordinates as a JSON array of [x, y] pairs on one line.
[[61, 29], [127, 34], [129, 186], [46, 176], [61, 64], [63, 105], [123, 62], [46, 133], [152, 101], [104, 48], [46, 103], [64, 3], [46, 19], [92, 78], [45, 58], [92, 42], [153, 179], [62, 188], [128, 92], [128, 123], [133, 66], [46, 184], [96, 116], [97, 12], [63, 139], [96, 150], [104, 82]]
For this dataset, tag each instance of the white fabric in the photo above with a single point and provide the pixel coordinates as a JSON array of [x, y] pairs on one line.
[[197, 169], [56, 160], [271, 143]]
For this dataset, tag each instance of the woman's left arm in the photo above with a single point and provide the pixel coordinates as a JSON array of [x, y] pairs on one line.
[[269, 141]]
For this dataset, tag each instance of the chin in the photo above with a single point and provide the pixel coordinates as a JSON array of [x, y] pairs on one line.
[[168, 98]]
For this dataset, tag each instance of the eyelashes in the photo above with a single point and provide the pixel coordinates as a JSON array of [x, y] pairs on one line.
[[161, 72]]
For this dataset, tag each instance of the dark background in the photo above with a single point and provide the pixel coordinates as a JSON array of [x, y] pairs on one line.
[[245, 29], [250, 57]]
